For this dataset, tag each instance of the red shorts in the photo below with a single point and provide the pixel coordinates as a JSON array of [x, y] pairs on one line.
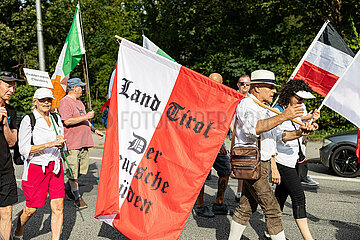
[[39, 184]]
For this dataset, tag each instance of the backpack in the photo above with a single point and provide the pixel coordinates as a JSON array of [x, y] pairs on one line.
[[16, 154]]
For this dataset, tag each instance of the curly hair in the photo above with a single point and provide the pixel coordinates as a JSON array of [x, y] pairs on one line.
[[289, 90]]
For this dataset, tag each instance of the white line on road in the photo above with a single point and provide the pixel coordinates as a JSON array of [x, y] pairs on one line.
[[334, 178]]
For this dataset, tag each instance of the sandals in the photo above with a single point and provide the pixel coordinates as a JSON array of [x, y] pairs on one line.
[[16, 237]]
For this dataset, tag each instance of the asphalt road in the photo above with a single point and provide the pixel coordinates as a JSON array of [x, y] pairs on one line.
[[333, 209]]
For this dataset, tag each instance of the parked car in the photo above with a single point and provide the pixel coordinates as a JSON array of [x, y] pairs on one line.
[[338, 153]]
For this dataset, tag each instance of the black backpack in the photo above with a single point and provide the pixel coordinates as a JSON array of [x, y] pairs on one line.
[[16, 155]]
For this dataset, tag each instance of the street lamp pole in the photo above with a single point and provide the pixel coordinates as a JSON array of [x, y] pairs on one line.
[[39, 36]]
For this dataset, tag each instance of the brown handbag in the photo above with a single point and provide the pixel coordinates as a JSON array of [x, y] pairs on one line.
[[245, 161]]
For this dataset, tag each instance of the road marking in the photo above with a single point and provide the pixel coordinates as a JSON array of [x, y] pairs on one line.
[[334, 178]]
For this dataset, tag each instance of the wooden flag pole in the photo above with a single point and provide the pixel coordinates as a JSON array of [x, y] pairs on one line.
[[120, 38], [275, 111]]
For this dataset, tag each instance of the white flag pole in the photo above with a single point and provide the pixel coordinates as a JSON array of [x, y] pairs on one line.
[[306, 54]]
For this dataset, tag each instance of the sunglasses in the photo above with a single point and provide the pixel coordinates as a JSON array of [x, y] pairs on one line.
[[300, 99], [44, 100], [244, 83], [8, 74]]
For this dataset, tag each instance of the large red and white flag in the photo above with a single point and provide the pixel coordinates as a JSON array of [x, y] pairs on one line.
[[344, 96], [325, 60], [165, 127]]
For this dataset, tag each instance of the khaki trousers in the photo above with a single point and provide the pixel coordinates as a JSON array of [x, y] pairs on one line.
[[259, 192]]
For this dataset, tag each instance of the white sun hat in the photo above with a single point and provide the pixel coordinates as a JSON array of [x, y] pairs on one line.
[[304, 95]]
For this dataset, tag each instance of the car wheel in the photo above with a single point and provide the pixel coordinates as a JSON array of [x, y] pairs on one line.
[[344, 162]]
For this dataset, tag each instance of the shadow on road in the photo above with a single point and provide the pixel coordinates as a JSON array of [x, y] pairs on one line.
[[111, 233], [346, 230]]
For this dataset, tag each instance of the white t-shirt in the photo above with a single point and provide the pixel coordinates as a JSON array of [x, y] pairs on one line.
[[248, 114]]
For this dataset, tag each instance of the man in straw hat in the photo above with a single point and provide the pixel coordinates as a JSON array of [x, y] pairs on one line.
[[253, 122], [8, 138]]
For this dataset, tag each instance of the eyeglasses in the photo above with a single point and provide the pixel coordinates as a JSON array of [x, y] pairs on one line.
[[300, 99], [244, 83], [8, 74]]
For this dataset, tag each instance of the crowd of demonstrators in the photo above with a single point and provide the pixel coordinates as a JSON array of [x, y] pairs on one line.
[[8, 138], [79, 140], [289, 153], [244, 87], [256, 122], [42, 134], [40, 139], [223, 168]]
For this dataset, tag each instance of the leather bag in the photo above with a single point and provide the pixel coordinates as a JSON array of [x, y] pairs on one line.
[[245, 161]]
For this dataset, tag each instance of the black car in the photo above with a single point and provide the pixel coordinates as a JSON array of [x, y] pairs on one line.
[[338, 153]]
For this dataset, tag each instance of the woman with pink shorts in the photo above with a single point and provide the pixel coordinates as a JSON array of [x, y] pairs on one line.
[[40, 139]]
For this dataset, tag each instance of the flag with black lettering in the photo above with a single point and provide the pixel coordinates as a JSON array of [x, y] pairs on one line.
[[165, 128]]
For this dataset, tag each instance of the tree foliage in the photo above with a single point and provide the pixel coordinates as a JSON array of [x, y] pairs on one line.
[[229, 37]]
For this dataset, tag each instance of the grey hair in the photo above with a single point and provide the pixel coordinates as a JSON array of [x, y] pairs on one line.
[[68, 89], [33, 106]]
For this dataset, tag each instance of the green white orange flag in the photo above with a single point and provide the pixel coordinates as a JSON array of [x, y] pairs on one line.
[[166, 125], [70, 56], [154, 48]]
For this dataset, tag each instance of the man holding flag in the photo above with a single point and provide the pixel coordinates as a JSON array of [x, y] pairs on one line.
[[255, 122], [77, 132]]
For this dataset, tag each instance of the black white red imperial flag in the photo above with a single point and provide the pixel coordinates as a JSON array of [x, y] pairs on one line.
[[166, 125], [325, 60]]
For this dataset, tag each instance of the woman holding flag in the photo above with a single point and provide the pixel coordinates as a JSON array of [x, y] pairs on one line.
[[40, 139], [294, 92]]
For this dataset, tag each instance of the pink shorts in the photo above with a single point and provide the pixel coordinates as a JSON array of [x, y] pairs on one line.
[[39, 184]]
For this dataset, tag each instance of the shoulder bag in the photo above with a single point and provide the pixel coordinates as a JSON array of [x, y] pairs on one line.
[[245, 161]]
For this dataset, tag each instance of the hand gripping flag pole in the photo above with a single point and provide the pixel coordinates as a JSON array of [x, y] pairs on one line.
[[62, 149]]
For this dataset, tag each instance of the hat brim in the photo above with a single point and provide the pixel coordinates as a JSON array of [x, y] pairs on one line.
[[81, 84], [10, 79], [43, 97], [305, 95], [259, 82]]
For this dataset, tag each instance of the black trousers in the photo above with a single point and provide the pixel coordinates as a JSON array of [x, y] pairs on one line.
[[302, 170], [290, 185]]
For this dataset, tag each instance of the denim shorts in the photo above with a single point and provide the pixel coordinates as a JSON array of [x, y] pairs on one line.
[[222, 165]]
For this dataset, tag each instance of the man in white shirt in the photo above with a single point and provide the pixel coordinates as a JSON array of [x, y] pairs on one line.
[[253, 122], [244, 87]]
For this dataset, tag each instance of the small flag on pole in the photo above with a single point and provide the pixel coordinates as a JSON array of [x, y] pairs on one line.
[[325, 60], [70, 56], [154, 48]]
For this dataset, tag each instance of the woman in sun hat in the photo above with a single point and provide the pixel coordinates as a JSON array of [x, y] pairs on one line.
[[40, 144], [294, 92]]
